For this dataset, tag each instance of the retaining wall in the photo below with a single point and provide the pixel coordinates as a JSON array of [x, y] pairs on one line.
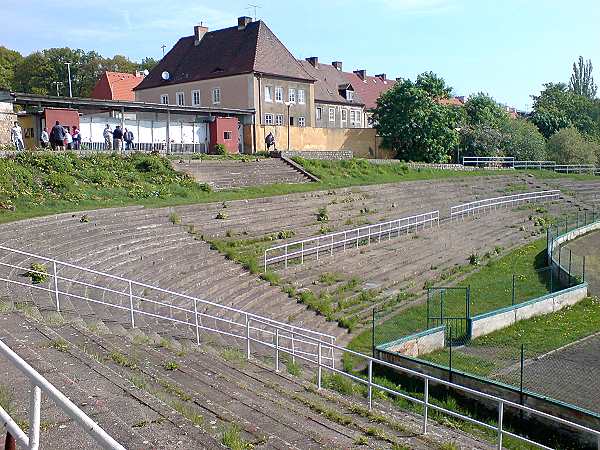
[[332, 155], [418, 344], [501, 318]]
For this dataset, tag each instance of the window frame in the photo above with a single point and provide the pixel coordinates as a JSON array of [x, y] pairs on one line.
[[279, 90], [216, 99], [226, 133], [279, 119], [292, 95], [301, 98], [194, 92], [301, 121], [319, 113], [180, 95], [269, 121], [164, 97], [331, 114], [344, 113], [269, 89]]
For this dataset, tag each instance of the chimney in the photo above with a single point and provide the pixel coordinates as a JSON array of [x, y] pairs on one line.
[[362, 74], [313, 60], [199, 32], [243, 22], [337, 65], [381, 76]]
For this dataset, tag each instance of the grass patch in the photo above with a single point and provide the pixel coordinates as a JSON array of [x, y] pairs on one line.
[[59, 344], [122, 360], [38, 273], [293, 368], [171, 365], [233, 355], [232, 439]]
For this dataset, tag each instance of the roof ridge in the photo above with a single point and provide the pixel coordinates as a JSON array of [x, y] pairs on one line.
[[260, 22]]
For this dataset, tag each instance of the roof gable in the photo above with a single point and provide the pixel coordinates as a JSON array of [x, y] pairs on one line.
[[116, 86], [368, 89], [328, 84], [226, 52]]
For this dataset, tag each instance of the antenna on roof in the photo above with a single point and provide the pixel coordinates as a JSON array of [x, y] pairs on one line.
[[163, 48], [254, 8]]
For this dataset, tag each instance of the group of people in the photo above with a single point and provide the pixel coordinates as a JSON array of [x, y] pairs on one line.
[[59, 138], [113, 139]]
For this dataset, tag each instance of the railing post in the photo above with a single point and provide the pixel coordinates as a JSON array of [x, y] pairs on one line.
[[302, 254], [426, 405], [56, 286], [319, 367], [513, 290], [370, 384], [332, 353], [331, 250], [197, 327], [131, 305], [247, 337], [293, 349], [345, 237], [34, 417], [500, 423], [265, 265], [286, 256], [277, 350]]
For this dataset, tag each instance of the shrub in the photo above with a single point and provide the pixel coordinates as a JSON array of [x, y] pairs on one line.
[[322, 215], [222, 215], [38, 273], [220, 149], [568, 146], [474, 259], [171, 365]]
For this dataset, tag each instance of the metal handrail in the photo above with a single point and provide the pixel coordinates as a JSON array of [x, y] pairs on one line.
[[477, 160], [39, 386], [300, 249], [473, 206]]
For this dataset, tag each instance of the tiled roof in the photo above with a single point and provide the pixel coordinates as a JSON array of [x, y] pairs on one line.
[[116, 86], [328, 81], [226, 52], [453, 101], [370, 89]]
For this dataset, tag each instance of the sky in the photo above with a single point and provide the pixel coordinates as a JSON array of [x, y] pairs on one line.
[[506, 48]]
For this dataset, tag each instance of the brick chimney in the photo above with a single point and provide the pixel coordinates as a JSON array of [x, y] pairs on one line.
[[362, 74], [382, 76], [243, 22], [199, 32], [313, 60], [337, 65]]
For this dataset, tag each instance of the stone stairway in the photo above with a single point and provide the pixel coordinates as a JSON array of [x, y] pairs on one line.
[[230, 174], [149, 391]]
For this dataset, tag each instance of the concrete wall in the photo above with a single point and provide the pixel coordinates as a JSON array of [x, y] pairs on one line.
[[496, 320], [418, 344], [7, 118]]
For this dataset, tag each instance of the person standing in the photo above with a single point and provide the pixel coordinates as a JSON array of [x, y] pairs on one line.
[[44, 138], [16, 136], [118, 139], [128, 137], [68, 139], [57, 136], [108, 134], [76, 138]]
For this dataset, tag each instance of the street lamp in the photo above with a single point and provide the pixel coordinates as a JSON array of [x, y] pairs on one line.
[[69, 72], [289, 105], [57, 84], [458, 130]]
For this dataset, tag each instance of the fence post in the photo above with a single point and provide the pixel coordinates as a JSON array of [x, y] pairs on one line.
[[319, 367], [131, 304], [583, 270], [277, 350], [56, 286], [513, 289], [373, 335], [302, 254], [247, 337], [450, 355], [570, 260], [426, 405], [34, 417], [286, 256], [266, 260], [197, 327], [332, 353], [522, 366], [370, 384], [500, 423], [293, 349]]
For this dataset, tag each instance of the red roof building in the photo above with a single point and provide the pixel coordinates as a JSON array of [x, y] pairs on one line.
[[116, 86], [367, 87]]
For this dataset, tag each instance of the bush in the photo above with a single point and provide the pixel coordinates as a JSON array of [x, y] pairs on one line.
[[220, 149], [322, 215], [524, 141], [568, 146], [38, 273]]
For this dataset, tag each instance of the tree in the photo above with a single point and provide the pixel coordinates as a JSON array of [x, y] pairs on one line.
[[523, 140], [481, 109], [9, 59], [413, 122], [481, 140], [582, 81], [568, 146]]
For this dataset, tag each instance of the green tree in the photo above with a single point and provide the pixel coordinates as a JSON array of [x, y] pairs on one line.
[[9, 59], [148, 63], [481, 109], [568, 146], [582, 81], [481, 140], [413, 122], [523, 140]]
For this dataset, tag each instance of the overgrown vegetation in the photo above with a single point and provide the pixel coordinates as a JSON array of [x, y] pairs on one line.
[[38, 273]]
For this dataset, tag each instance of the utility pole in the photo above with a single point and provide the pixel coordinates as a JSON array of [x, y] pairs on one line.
[[57, 83], [69, 72]]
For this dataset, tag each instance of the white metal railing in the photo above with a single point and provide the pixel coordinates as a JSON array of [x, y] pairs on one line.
[[507, 200], [353, 238], [534, 165], [39, 386], [575, 168], [132, 299], [496, 161], [284, 331]]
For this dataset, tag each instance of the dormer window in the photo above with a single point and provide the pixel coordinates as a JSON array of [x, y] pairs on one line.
[[349, 95]]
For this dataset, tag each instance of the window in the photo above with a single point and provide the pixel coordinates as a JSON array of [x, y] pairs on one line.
[[291, 121], [227, 135], [355, 118], [269, 119], [292, 95], [279, 94], [349, 95], [301, 96], [301, 122], [216, 96], [268, 93], [358, 118], [319, 113], [344, 115], [279, 119], [180, 97], [332, 114], [196, 98], [164, 99]]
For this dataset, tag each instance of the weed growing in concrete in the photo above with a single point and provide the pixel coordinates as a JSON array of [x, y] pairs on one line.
[[222, 215], [59, 344], [449, 446], [232, 439], [322, 215], [174, 218], [84, 218], [171, 365], [361, 440], [293, 368], [233, 355], [188, 412], [38, 273], [122, 360]]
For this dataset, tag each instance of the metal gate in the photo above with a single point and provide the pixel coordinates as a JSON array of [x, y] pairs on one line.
[[450, 306]]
